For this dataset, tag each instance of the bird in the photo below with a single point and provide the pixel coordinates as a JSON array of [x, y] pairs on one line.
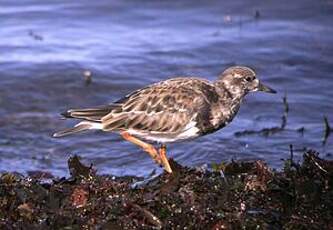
[[172, 110]]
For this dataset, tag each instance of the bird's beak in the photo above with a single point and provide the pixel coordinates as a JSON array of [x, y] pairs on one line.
[[265, 88]]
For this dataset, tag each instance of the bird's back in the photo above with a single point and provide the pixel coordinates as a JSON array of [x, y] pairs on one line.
[[163, 107]]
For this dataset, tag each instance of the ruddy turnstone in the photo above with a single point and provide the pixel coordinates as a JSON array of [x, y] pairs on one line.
[[172, 110]]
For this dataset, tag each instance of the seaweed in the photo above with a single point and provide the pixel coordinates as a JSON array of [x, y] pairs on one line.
[[327, 130], [269, 131], [233, 195], [273, 130]]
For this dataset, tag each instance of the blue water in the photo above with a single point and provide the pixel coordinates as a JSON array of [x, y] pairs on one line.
[[45, 46]]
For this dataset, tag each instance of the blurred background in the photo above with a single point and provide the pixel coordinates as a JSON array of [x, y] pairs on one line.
[[56, 55]]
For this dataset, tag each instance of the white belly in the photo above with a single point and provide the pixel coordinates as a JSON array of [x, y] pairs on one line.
[[189, 132]]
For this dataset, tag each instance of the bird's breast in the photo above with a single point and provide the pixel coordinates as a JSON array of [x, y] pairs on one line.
[[220, 116]]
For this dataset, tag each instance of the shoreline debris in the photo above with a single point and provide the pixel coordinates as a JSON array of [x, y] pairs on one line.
[[35, 36], [249, 195], [87, 74]]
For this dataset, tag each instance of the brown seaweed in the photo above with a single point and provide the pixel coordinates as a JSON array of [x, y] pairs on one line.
[[249, 195]]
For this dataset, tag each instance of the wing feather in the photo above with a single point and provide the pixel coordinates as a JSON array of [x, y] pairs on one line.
[[90, 114], [167, 106]]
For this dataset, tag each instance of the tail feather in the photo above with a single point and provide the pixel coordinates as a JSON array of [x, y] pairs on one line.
[[92, 114], [82, 126]]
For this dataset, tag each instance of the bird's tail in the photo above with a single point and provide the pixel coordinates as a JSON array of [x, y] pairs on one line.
[[90, 114], [82, 126]]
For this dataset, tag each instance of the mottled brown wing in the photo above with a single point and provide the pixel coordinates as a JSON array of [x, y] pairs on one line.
[[167, 106]]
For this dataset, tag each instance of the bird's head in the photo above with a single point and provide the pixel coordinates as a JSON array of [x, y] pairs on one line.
[[240, 80]]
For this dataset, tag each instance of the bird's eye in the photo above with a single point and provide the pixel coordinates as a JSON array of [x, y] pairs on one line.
[[249, 78]]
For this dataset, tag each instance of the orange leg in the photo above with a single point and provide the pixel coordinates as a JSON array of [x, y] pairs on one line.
[[146, 147], [164, 159]]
